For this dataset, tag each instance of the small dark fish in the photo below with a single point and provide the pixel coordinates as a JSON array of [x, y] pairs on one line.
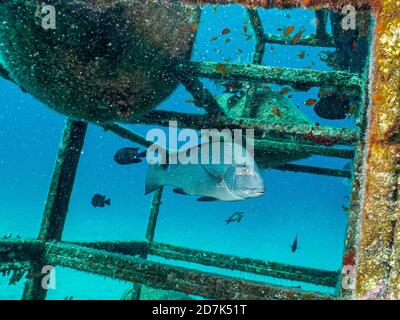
[[294, 246], [99, 200], [129, 156], [333, 106], [236, 217]]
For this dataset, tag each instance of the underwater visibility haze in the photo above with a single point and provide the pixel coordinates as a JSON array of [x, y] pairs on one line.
[[284, 215]]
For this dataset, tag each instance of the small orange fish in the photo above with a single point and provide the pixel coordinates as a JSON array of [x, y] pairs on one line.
[[297, 36], [248, 37], [289, 30], [351, 111], [310, 102], [276, 112], [195, 27], [284, 91], [221, 69], [301, 55], [245, 28], [213, 38], [189, 100], [345, 209], [226, 31], [321, 93]]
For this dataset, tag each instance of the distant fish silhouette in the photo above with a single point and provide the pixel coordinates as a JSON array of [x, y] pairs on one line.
[[294, 246], [99, 200], [236, 217], [126, 156]]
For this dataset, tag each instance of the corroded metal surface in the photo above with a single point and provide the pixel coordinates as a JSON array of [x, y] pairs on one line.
[[378, 257], [292, 76], [261, 267], [164, 276]]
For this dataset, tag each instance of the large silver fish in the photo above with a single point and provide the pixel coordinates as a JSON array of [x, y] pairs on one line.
[[237, 181]]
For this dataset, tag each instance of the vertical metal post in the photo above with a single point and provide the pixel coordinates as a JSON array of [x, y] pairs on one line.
[[57, 203], [257, 27]]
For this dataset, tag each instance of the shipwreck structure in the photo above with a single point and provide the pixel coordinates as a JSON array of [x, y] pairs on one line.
[[372, 247]]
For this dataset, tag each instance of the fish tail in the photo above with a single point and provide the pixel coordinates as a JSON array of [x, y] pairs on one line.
[[107, 202], [155, 178], [142, 154]]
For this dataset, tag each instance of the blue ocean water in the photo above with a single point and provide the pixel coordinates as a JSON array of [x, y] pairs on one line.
[[301, 204]]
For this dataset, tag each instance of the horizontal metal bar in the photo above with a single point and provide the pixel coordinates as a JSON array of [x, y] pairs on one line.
[[130, 248], [225, 261], [305, 133], [282, 76], [314, 170], [312, 41], [254, 266], [166, 277], [289, 4], [264, 147], [19, 250]]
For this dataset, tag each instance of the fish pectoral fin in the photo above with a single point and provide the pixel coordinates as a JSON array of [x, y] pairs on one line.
[[207, 199], [180, 191]]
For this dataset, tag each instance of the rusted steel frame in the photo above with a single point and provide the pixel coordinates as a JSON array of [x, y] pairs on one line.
[[264, 146], [254, 266], [166, 277], [282, 76], [225, 261], [19, 250], [299, 132], [256, 26], [314, 170], [378, 256], [289, 4], [57, 203], [312, 41], [202, 96]]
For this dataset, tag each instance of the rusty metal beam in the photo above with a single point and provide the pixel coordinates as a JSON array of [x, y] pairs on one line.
[[300, 132], [282, 76], [365, 5], [57, 203], [314, 170], [225, 261], [19, 250], [264, 146], [378, 257], [167, 277], [254, 266]]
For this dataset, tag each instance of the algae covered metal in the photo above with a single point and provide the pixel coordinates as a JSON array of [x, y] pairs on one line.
[[372, 245]]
